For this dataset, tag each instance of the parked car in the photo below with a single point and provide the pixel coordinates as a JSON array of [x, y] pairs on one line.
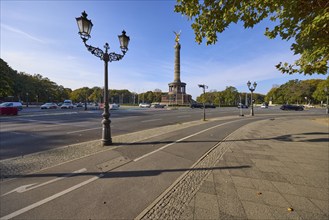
[[49, 105], [7, 108], [67, 106], [144, 105], [240, 105], [292, 107]]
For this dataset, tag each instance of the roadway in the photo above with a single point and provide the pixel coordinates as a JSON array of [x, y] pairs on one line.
[[120, 182], [37, 130]]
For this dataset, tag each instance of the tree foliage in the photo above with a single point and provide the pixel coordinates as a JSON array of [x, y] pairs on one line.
[[20, 86], [304, 21], [299, 91], [228, 97]]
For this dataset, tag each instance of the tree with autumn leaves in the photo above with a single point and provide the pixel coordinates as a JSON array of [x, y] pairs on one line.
[[304, 21]]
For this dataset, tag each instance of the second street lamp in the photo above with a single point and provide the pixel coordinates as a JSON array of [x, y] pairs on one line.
[[204, 87], [85, 25], [252, 89]]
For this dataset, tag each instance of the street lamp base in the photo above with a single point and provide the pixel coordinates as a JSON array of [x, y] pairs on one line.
[[107, 142]]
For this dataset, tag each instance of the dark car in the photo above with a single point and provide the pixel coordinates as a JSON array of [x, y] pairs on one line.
[[292, 107], [210, 105], [240, 105], [196, 105], [200, 105]]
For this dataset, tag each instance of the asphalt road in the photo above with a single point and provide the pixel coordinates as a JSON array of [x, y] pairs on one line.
[[121, 182], [36, 130]]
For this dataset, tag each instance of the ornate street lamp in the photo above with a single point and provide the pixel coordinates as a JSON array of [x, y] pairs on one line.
[[252, 89], [326, 92], [204, 87], [85, 25]]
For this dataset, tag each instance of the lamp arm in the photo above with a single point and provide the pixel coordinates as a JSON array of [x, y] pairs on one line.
[[94, 50], [115, 57]]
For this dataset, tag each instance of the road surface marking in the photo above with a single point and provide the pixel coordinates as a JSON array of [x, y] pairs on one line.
[[26, 188], [55, 196], [151, 120], [184, 116], [184, 138], [89, 129]]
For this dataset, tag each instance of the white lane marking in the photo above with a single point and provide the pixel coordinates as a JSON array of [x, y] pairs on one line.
[[89, 129], [184, 116], [55, 196], [26, 188], [175, 142], [151, 120], [21, 188]]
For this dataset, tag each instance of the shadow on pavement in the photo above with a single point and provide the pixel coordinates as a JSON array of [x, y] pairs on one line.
[[124, 174]]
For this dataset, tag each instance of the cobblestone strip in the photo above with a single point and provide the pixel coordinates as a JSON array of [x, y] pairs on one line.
[[171, 204]]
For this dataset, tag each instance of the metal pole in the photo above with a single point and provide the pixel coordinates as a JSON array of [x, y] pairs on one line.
[[252, 104], [204, 105], [327, 110], [106, 132]]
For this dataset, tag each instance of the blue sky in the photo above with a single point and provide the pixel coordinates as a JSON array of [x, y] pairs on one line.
[[41, 37]]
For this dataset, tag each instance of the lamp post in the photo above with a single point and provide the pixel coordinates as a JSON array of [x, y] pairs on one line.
[[327, 107], [85, 26], [204, 87], [252, 89], [27, 99]]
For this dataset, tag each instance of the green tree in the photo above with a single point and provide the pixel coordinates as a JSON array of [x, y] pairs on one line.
[[81, 94], [320, 94], [304, 21], [96, 95], [6, 81]]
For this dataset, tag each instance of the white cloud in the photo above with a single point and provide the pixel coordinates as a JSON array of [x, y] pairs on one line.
[[22, 33]]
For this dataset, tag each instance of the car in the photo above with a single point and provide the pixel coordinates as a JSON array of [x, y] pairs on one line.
[[114, 106], [94, 106], [292, 107], [196, 105], [7, 108], [67, 105], [207, 105], [18, 105], [49, 105], [157, 105], [144, 105], [79, 105], [240, 105], [264, 105]]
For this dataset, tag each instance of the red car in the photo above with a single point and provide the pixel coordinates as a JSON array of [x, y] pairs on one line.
[[6, 109]]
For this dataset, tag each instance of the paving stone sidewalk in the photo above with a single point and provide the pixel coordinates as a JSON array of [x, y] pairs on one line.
[[283, 174], [270, 169]]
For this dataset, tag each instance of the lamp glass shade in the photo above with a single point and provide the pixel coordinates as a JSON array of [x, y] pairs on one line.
[[85, 25], [255, 84], [248, 84], [124, 41]]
